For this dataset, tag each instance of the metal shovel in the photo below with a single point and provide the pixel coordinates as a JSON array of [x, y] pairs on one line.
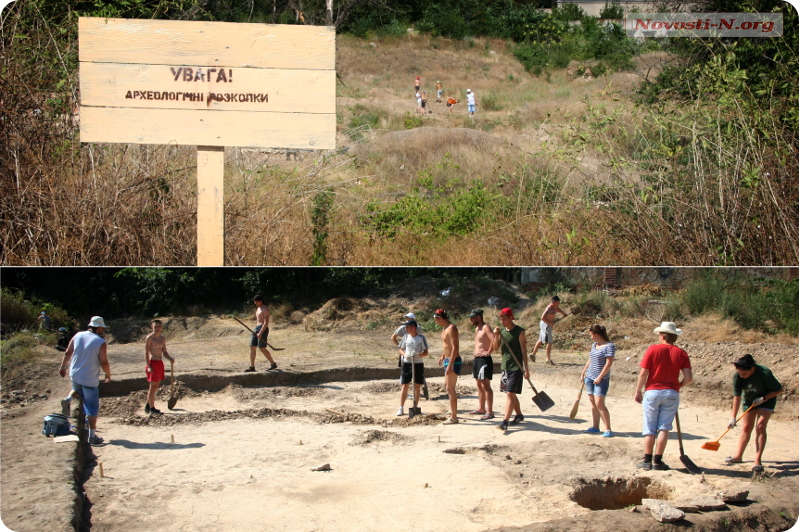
[[692, 467], [172, 397]]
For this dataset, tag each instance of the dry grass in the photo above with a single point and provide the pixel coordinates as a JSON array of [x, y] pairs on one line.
[[543, 151]]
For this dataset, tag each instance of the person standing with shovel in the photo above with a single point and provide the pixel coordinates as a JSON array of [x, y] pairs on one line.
[[154, 349], [261, 334], [412, 348], [512, 337], [660, 377]]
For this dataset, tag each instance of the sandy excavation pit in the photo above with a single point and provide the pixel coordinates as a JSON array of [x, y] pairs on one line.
[[242, 459]]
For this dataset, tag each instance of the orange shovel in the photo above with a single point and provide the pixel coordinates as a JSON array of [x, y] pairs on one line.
[[714, 445]]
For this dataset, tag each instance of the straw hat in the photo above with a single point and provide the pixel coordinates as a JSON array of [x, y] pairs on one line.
[[668, 327]]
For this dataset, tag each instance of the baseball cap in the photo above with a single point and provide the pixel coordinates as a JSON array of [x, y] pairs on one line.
[[441, 313], [411, 323], [410, 315], [506, 312], [476, 312]]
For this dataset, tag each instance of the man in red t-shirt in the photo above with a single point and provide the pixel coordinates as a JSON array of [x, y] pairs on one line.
[[660, 378]]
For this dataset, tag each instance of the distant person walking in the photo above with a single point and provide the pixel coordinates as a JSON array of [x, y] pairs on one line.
[[418, 102], [545, 328], [86, 354], [512, 339], [154, 350], [439, 91], [260, 338], [483, 369], [471, 102], [451, 359], [417, 84], [44, 321], [753, 385], [596, 375], [660, 377]]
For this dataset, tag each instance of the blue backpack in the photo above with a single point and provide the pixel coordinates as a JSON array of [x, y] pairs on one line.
[[56, 425]]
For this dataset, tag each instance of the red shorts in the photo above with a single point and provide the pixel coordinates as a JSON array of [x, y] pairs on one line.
[[157, 373]]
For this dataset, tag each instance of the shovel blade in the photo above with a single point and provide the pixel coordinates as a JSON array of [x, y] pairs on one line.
[[172, 402], [543, 401], [690, 466]]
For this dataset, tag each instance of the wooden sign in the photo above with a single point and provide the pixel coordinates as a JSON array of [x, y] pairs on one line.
[[209, 84]]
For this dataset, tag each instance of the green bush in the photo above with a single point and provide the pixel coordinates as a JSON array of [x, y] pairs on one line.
[[411, 121], [491, 102]]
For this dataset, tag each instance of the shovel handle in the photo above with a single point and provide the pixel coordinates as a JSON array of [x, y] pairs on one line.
[[736, 422]]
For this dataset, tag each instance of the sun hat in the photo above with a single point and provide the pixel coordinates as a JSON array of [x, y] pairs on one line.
[[476, 312], [97, 321], [468, 90], [506, 312], [668, 327]]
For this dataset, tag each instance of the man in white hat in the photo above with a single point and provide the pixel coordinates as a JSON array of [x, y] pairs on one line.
[[471, 102], [660, 376], [86, 354]]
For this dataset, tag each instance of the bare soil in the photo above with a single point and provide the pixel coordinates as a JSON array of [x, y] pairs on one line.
[[238, 451]]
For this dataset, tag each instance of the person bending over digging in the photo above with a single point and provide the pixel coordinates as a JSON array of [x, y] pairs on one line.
[[755, 386], [154, 349], [412, 348], [259, 338], [450, 357], [660, 375], [511, 337]]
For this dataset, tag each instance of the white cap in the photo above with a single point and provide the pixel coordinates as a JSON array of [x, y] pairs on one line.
[[410, 315], [668, 327], [97, 321], [468, 90]]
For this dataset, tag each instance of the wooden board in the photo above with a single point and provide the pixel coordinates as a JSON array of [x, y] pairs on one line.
[[210, 44], [180, 87], [208, 128]]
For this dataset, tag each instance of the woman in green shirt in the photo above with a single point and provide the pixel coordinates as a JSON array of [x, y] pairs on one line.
[[752, 384]]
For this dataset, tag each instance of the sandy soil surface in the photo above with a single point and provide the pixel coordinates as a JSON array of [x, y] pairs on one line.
[[238, 453]]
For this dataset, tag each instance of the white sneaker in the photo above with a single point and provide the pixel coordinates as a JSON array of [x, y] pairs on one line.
[[401, 411]]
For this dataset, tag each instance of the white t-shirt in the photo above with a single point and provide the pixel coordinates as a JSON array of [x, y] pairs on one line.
[[413, 345], [470, 98]]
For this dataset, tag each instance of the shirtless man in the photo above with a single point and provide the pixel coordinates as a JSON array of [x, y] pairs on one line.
[[545, 328], [483, 364], [451, 360], [154, 349], [259, 339], [439, 91]]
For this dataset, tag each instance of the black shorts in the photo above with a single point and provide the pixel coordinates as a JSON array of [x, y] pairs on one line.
[[406, 376], [511, 381], [483, 368], [254, 342]]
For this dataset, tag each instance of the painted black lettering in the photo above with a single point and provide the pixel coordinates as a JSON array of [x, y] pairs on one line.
[[210, 71], [200, 75], [188, 74], [176, 74], [221, 77], [230, 75]]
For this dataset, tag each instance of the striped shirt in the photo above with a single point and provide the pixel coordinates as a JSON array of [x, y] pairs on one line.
[[599, 353]]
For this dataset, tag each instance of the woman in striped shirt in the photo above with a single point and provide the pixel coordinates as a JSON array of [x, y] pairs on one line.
[[596, 375]]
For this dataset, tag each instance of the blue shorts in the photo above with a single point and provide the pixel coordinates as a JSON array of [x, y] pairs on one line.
[[471, 108], [457, 367], [90, 396], [598, 390], [660, 407]]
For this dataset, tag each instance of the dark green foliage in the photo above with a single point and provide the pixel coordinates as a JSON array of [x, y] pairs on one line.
[[612, 11], [765, 305]]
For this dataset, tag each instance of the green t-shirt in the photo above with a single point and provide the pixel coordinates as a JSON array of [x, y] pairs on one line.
[[511, 338], [759, 384]]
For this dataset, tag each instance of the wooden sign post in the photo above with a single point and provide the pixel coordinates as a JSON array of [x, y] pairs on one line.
[[210, 85]]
